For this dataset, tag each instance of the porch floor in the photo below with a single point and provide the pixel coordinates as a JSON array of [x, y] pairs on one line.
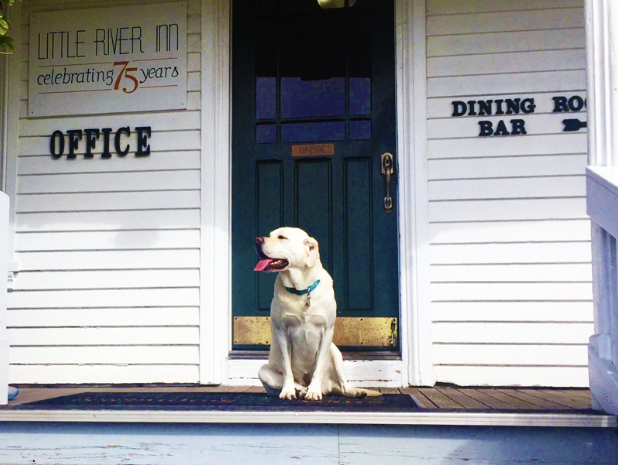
[[444, 406]]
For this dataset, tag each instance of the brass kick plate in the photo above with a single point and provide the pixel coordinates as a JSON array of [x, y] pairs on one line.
[[357, 332]]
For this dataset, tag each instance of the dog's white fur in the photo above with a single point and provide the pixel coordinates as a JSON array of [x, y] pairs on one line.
[[302, 356]]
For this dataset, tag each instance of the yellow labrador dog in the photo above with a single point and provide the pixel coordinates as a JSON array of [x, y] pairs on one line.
[[302, 319]]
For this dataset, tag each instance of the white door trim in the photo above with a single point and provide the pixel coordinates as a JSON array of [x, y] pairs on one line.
[[216, 234], [11, 123], [415, 305], [216, 309]]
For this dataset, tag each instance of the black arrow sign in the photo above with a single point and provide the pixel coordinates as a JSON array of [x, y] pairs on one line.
[[574, 124]]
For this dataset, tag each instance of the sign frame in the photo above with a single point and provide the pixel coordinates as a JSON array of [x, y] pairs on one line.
[[108, 60]]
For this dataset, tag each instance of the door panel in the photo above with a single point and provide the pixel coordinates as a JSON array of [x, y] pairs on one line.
[[304, 75]]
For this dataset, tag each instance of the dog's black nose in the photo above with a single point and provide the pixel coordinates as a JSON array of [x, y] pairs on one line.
[[259, 240]]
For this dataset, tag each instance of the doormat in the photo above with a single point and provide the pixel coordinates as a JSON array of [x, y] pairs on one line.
[[219, 401]]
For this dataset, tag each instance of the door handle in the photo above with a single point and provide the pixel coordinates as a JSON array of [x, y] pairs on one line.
[[387, 168]]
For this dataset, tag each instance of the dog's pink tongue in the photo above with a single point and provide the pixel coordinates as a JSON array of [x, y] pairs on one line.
[[261, 265]]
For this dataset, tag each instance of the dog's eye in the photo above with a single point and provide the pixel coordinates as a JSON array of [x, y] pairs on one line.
[[281, 237]]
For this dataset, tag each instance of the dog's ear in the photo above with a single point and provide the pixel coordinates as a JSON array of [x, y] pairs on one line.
[[313, 253]]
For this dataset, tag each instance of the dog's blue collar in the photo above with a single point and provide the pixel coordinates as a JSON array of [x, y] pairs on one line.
[[305, 291]]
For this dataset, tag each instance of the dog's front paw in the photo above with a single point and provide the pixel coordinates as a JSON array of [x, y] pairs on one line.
[[313, 395], [288, 392]]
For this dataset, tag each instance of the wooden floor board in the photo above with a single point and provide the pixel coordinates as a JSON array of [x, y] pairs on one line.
[[533, 397], [585, 398], [256, 390], [577, 393], [422, 401], [233, 388], [554, 398], [485, 398], [389, 390], [441, 400], [509, 399], [462, 399]]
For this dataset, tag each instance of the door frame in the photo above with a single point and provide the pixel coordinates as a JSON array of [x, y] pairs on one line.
[[415, 366]]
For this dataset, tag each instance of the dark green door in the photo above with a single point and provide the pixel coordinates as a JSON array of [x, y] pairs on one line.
[[307, 72]]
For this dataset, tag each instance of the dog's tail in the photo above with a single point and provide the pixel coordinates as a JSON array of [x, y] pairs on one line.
[[370, 392]]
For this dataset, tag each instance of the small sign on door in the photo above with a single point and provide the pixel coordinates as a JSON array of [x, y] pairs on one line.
[[304, 150]]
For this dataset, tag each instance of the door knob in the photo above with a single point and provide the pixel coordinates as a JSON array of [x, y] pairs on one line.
[[387, 168]]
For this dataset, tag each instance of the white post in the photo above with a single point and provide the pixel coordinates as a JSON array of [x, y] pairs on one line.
[[4, 228], [602, 181], [4, 259]]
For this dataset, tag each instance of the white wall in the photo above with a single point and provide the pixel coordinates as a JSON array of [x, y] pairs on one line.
[[510, 240], [108, 251]]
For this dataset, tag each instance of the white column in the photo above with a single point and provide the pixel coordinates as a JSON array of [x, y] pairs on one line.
[[602, 182], [4, 229], [4, 342]]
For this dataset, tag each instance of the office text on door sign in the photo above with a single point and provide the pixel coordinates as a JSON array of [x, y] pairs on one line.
[[520, 107]]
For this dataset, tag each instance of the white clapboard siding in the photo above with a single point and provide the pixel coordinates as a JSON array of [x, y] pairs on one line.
[[123, 259], [109, 220], [108, 250], [194, 60], [541, 312], [515, 231], [194, 25], [535, 124], [106, 280], [512, 333], [502, 42], [148, 355], [526, 376], [109, 317], [23, 108], [511, 274], [538, 273], [490, 291], [504, 188], [442, 107], [449, 7], [487, 167], [194, 100], [80, 201], [164, 335], [106, 182], [103, 374], [549, 81], [158, 160], [515, 62], [123, 240], [105, 298], [507, 210], [567, 143], [511, 253], [472, 354], [194, 43], [505, 21], [194, 80]]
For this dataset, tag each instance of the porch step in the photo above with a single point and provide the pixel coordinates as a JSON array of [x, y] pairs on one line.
[[539, 407]]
